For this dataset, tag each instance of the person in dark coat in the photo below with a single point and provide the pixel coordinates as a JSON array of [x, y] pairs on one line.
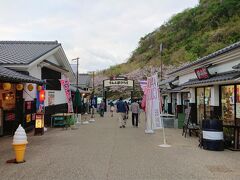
[[102, 108], [127, 106], [121, 110]]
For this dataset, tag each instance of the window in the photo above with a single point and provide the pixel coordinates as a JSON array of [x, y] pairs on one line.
[[227, 104], [238, 106], [203, 103], [52, 78], [207, 100], [200, 104]]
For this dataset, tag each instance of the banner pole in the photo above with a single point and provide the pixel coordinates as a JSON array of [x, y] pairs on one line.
[[164, 136]]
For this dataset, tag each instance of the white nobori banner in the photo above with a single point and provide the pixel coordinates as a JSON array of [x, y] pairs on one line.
[[153, 103]]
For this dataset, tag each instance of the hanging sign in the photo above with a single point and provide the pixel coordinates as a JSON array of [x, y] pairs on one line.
[[202, 73], [66, 85]]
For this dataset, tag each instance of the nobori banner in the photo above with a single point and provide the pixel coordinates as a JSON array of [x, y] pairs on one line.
[[117, 82]]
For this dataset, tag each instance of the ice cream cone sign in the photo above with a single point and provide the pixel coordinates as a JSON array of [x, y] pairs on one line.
[[19, 143]]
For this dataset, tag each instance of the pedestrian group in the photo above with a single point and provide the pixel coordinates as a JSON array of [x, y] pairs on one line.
[[123, 109]]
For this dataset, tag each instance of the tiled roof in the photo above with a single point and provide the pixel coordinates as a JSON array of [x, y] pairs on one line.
[[169, 80], [179, 89], [13, 76], [205, 58], [24, 52], [236, 67], [226, 76]]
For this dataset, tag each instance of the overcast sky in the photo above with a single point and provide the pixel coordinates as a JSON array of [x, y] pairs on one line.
[[101, 32]]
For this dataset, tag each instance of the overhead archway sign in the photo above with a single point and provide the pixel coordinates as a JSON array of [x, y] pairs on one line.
[[108, 83], [118, 81]]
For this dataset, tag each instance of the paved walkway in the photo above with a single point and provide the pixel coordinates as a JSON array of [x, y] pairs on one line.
[[103, 151]]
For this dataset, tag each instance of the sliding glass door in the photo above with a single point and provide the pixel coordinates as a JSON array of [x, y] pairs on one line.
[[203, 103]]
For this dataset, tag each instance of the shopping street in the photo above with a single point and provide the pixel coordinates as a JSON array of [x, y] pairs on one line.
[[103, 151]]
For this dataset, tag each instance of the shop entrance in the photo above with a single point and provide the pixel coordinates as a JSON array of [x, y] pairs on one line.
[[230, 111], [119, 81], [203, 103]]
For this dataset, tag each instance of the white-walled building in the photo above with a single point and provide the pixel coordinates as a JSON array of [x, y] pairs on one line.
[[211, 86], [43, 60]]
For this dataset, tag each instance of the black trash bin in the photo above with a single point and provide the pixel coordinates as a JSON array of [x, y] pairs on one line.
[[212, 135]]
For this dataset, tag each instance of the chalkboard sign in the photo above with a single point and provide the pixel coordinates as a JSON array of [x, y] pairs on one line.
[[187, 115]]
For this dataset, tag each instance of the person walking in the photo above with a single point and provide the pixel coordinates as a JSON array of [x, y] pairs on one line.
[[102, 108], [126, 104], [135, 112], [112, 108], [121, 110]]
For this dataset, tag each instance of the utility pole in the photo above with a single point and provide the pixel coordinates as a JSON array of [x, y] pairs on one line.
[[93, 89], [161, 49], [76, 59]]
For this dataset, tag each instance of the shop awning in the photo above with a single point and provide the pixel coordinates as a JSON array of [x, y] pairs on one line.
[[74, 89], [169, 80], [175, 90], [14, 76], [179, 89], [221, 78]]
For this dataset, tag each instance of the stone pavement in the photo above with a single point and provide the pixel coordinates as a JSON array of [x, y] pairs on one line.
[[103, 151]]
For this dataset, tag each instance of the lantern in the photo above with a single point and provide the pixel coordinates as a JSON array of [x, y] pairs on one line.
[[39, 121], [30, 87], [39, 88], [41, 96], [39, 124], [19, 87], [7, 86]]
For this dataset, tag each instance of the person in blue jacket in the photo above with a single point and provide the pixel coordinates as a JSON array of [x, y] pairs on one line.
[[121, 110]]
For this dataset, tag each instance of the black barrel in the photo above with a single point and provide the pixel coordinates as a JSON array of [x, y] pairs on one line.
[[212, 131]]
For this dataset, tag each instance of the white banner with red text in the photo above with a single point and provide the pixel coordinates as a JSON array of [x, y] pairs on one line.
[[66, 85]]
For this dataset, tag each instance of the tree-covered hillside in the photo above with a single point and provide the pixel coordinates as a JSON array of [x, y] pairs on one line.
[[194, 33]]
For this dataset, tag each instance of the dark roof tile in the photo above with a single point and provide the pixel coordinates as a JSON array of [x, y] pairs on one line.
[[205, 58], [226, 76], [24, 52], [13, 76]]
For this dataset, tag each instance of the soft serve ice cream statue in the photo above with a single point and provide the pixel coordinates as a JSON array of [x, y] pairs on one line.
[[19, 143]]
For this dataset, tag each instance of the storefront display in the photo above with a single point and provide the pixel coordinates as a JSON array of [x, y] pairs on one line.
[[200, 104], [207, 100], [227, 103], [203, 103], [230, 106]]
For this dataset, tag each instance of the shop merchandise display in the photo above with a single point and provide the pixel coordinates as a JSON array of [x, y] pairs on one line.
[[228, 110]]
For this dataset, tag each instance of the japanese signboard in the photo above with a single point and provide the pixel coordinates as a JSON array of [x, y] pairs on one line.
[[108, 83], [202, 73]]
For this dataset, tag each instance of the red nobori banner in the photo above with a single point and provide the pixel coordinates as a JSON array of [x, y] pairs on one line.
[[66, 85]]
